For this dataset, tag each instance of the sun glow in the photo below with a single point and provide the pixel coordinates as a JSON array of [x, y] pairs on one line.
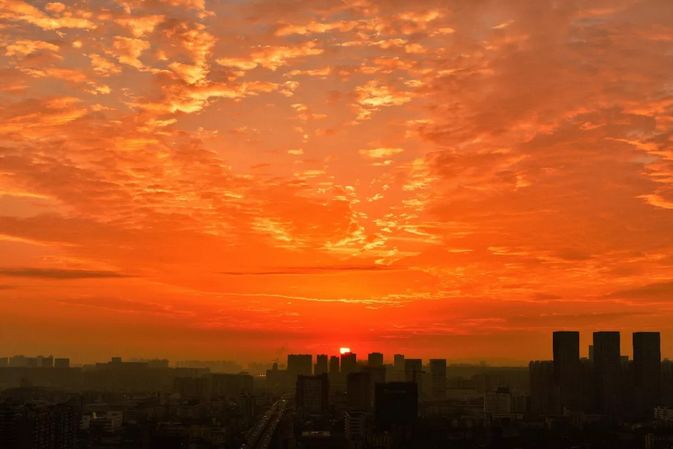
[[344, 350]]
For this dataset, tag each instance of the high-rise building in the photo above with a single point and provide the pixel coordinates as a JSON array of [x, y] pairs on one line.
[[375, 359], [359, 391], [398, 362], [355, 426], [61, 363], [646, 371], [192, 387], [566, 349], [320, 364], [413, 369], [377, 374], [607, 372], [334, 365], [45, 361], [38, 425], [438, 378], [498, 403], [396, 405], [544, 398], [299, 365], [349, 363], [230, 385], [312, 394]]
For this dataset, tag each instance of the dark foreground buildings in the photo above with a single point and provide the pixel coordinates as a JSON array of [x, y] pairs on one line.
[[607, 385], [606, 401]]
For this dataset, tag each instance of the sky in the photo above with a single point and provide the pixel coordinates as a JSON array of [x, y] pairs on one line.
[[229, 179]]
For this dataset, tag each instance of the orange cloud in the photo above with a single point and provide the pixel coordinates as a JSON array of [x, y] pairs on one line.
[[17, 10], [380, 153], [387, 168], [127, 50], [26, 47], [271, 57]]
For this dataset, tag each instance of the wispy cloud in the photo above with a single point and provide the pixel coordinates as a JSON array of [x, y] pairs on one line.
[[307, 270], [59, 274]]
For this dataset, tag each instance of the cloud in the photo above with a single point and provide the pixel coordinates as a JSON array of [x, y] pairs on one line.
[[142, 25], [17, 10], [534, 179], [374, 95], [194, 98], [102, 66], [656, 200], [59, 274], [23, 47], [380, 153], [41, 115], [656, 291], [308, 270], [127, 50], [191, 43], [316, 28], [271, 57]]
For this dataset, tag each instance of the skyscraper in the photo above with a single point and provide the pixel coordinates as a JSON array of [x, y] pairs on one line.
[[334, 364], [396, 405], [543, 394], [348, 363], [398, 368], [312, 394], [299, 364], [438, 378], [413, 369], [359, 391], [320, 364], [61, 362], [647, 371], [398, 362], [375, 359], [566, 349], [607, 372]]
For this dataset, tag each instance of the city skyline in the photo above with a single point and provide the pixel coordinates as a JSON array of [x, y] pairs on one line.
[[565, 344], [347, 402], [242, 179]]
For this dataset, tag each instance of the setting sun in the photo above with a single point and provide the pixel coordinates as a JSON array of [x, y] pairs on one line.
[[344, 350]]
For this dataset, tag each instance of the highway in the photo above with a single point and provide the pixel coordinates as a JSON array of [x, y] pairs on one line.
[[260, 436]]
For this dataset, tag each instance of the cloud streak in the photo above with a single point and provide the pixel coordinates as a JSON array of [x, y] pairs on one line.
[[59, 274]]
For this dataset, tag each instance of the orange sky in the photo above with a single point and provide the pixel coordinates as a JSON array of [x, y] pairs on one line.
[[233, 179]]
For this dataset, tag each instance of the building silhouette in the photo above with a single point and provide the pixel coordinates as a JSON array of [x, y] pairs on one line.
[[359, 391], [646, 371], [321, 364], [312, 394], [38, 425], [299, 365], [333, 365], [375, 359], [607, 372], [544, 394], [396, 405], [438, 378], [566, 353], [349, 363], [413, 368]]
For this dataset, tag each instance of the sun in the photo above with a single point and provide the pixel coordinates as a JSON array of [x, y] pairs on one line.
[[344, 350]]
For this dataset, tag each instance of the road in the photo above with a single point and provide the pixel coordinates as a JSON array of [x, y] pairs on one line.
[[261, 435]]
